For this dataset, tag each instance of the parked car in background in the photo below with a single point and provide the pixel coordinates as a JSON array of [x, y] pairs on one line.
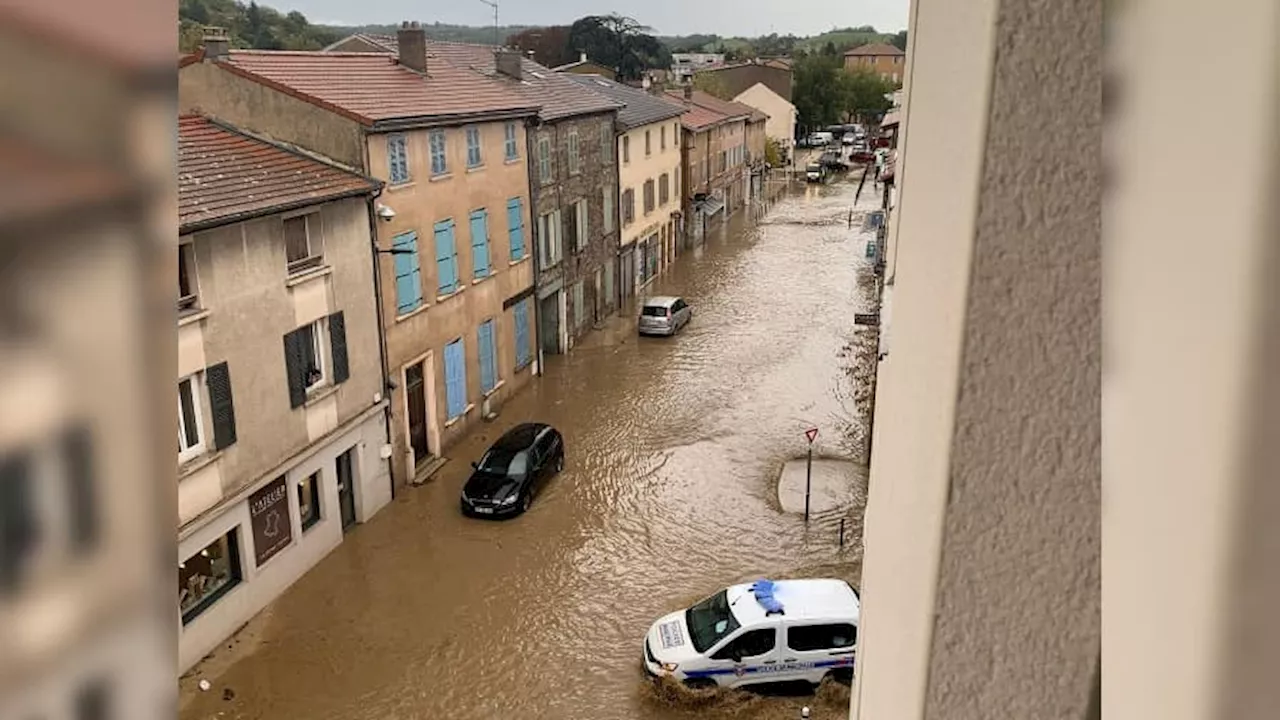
[[762, 632], [848, 139], [664, 315], [815, 172], [513, 470]]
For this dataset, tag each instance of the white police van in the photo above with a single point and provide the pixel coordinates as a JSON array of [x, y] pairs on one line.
[[762, 632]]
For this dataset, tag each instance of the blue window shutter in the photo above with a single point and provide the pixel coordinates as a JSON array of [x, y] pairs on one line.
[[488, 369], [408, 273], [455, 371], [515, 226], [445, 262], [521, 314], [480, 243]]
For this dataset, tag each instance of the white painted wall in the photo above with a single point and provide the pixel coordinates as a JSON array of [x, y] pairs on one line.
[[781, 125]]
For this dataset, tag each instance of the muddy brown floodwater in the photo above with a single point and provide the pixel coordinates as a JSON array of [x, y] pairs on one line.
[[668, 494]]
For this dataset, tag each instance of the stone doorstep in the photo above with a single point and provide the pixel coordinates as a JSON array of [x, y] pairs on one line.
[[429, 470]]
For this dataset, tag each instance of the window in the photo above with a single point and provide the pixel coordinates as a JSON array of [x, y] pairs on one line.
[[648, 143], [446, 257], [480, 243], [648, 196], [709, 621], [520, 313], [626, 149], [397, 159], [310, 344], [208, 575], [187, 289], [512, 149], [439, 160], [662, 144], [607, 194], [581, 238], [822, 637], [515, 227], [190, 428], [544, 159], [664, 189], [571, 228], [408, 270], [606, 144], [455, 379], [549, 232], [488, 356], [473, 147], [574, 160], [628, 206], [752, 643], [302, 246], [309, 500]]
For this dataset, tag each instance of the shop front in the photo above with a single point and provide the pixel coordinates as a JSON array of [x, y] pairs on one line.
[[244, 553]]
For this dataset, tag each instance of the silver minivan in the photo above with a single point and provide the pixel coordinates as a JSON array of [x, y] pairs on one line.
[[664, 315]]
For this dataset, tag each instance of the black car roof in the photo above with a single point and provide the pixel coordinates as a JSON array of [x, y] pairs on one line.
[[519, 437]]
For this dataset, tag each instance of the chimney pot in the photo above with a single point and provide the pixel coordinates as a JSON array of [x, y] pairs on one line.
[[507, 61], [688, 91], [216, 44], [413, 46]]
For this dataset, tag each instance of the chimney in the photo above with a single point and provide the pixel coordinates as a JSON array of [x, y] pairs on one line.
[[582, 56], [216, 44], [688, 90], [413, 46], [508, 62]]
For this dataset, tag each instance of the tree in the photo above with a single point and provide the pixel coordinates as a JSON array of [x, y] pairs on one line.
[[818, 91], [900, 40], [863, 94], [550, 45], [619, 42], [772, 152]]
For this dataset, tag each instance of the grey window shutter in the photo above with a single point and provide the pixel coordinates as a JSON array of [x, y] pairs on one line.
[[338, 346], [77, 447], [218, 379], [293, 367]]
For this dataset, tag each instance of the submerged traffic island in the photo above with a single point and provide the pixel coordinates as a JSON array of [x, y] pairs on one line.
[[832, 486]]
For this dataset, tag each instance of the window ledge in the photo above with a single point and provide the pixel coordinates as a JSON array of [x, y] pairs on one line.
[[193, 316], [400, 186], [495, 388], [477, 168], [308, 275], [318, 394], [416, 311], [525, 366], [519, 260], [477, 281], [511, 161], [191, 465], [454, 420], [442, 298], [441, 177]]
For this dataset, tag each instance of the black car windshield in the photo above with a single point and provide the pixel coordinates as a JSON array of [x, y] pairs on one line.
[[710, 620], [510, 463]]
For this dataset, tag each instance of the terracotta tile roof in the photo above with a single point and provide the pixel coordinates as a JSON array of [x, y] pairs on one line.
[[698, 118], [641, 107], [874, 49], [370, 87], [558, 96], [225, 176], [728, 108]]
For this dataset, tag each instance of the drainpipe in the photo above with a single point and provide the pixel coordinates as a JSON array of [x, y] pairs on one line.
[[530, 125], [371, 202]]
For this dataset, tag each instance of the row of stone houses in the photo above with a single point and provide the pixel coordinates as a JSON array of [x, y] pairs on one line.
[[378, 247]]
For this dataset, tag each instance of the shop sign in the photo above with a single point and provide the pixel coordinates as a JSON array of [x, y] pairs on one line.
[[269, 517]]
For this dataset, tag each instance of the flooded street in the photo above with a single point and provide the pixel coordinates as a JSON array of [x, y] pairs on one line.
[[669, 492]]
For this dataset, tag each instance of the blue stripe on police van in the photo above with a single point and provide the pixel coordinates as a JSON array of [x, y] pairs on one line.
[[762, 669]]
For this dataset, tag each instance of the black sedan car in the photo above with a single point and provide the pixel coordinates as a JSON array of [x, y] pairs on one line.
[[513, 470]]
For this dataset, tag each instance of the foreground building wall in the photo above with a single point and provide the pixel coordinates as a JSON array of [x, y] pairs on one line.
[[981, 577]]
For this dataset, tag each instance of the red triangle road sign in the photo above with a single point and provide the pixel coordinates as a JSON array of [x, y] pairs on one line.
[[811, 434]]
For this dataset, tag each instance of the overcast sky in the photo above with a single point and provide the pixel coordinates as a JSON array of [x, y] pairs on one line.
[[667, 17]]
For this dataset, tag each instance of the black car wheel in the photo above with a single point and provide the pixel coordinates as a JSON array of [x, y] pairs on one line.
[[560, 462], [525, 502]]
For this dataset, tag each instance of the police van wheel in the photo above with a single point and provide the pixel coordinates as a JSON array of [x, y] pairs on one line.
[[844, 676], [700, 683]]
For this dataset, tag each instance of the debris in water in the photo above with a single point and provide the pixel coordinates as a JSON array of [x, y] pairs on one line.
[[205, 685]]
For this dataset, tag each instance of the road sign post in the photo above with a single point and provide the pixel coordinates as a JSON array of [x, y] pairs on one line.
[[811, 434]]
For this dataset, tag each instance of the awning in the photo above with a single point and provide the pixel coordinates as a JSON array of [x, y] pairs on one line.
[[890, 119], [711, 206]]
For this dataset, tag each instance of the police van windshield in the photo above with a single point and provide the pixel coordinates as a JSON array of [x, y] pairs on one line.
[[710, 620]]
